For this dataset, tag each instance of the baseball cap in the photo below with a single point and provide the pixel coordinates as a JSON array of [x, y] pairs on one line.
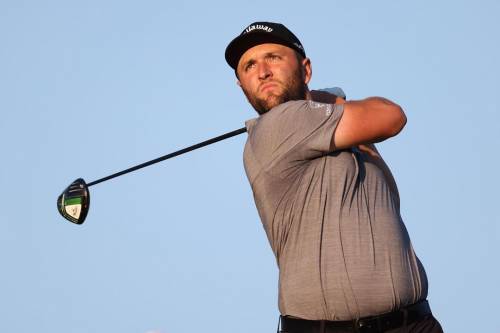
[[260, 33]]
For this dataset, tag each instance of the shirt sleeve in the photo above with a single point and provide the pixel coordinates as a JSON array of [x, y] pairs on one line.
[[294, 133]]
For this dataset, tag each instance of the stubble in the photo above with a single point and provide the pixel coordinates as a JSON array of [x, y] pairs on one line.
[[293, 89]]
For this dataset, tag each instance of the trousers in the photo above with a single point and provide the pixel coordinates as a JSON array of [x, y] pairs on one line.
[[427, 324]]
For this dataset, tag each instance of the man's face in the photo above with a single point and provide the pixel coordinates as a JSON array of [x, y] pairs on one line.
[[271, 74]]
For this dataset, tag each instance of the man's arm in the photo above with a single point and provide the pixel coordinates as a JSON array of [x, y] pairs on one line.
[[388, 121], [371, 120]]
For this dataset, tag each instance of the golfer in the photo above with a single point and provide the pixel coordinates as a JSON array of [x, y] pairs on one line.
[[327, 201]]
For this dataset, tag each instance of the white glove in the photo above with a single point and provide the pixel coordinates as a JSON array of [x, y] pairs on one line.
[[337, 91]]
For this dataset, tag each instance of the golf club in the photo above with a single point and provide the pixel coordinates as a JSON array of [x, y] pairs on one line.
[[74, 201]]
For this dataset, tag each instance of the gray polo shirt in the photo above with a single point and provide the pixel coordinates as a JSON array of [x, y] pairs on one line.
[[331, 218]]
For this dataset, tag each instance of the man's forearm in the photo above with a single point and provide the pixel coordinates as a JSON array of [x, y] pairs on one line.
[[367, 121]]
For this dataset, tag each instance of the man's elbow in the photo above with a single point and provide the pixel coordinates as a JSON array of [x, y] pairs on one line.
[[398, 120]]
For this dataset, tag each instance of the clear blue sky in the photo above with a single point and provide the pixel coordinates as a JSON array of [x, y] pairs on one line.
[[89, 88]]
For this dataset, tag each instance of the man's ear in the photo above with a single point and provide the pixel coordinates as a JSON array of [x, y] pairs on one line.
[[306, 70]]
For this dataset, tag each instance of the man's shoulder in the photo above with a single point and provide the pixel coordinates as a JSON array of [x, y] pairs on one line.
[[291, 116], [290, 105], [279, 111]]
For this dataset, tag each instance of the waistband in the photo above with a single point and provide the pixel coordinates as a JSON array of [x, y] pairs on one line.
[[379, 323]]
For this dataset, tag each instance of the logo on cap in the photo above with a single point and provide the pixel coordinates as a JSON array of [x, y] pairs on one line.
[[258, 27]]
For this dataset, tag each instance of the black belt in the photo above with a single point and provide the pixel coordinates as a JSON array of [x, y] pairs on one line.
[[380, 323]]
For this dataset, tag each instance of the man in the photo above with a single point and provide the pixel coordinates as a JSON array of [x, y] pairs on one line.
[[327, 201]]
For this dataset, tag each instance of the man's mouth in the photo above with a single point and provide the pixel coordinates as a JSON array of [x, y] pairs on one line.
[[268, 86]]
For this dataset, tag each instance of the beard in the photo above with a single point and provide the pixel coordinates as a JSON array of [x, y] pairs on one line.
[[293, 89]]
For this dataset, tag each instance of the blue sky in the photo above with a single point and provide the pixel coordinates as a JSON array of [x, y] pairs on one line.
[[90, 88]]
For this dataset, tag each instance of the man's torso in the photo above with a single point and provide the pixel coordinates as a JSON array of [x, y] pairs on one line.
[[332, 220]]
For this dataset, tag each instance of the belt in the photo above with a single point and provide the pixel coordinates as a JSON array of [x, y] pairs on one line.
[[380, 323]]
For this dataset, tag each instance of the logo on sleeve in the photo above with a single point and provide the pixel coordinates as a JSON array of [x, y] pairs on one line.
[[318, 105]]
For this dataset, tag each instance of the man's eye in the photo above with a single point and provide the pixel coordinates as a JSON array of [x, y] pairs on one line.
[[249, 66], [274, 57]]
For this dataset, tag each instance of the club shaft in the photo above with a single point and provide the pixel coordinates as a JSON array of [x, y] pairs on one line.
[[174, 154]]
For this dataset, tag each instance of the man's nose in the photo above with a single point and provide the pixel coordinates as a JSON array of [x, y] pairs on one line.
[[264, 71]]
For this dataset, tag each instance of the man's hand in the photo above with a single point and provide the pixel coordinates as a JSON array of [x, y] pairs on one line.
[[367, 121], [325, 97]]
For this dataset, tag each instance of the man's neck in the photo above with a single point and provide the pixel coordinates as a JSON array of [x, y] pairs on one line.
[[308, 95]]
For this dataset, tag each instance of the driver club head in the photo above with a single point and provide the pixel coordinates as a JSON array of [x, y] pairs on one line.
[[73, 203]]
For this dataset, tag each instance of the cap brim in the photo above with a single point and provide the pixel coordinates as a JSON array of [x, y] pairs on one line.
[[242, 43]]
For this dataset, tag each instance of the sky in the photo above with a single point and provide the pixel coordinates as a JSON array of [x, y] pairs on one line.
[[89, 88]]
